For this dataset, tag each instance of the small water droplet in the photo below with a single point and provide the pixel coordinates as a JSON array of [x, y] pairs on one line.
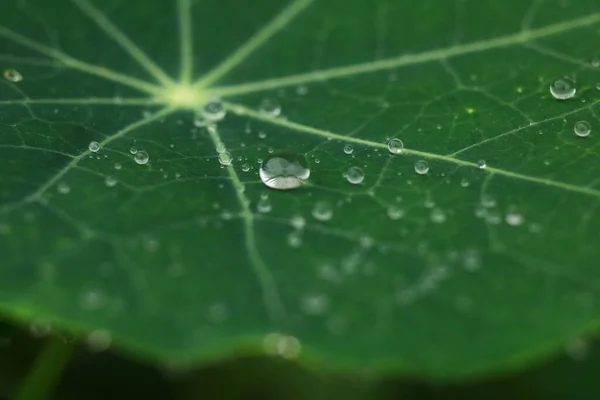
[[63, 188], [295, 239], [301, 90], [221, 148], [395, 146], [213, 111], [284, 170], [355, 175], [225, 158], [110, 181], [98, 340], [514, 218], [94, 146], [262, 135], [421, 167], [298, 222], [282, 345], [481, 164], [133, 150], [464, 182], [117, 166], [314, 304], [12, 75], [395, 213], [270, 107], [141, 157], [596, 63], [577, 349], [322, 211], [438, 216], [263, 206], [563, 88], [245, 167], [348, 149], [582, 128]]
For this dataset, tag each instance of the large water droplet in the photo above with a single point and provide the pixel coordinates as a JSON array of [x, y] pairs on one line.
[[322, 211], [12, 75], [225, 158], [141, 157], [355, 175], [482, 164], [213, 111], [94, 146], [270, 107], [563, 88], [582, 128], [395, 146], [421, 167], [284, 170]]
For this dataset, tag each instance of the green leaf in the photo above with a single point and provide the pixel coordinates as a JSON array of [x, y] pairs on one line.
[[459, 271]]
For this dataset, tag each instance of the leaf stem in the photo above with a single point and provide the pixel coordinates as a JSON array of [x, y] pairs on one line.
[[47, 369]]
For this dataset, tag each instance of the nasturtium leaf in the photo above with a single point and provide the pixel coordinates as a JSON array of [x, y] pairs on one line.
[[132, 133]]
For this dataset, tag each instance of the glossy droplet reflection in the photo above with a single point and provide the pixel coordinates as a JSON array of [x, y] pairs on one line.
[[284, 170], [582, 128], [395, 146], [141, 157], [355, 175], [12, 75], [563, 88]]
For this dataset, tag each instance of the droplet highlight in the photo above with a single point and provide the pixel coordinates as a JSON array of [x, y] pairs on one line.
[[284, 170]]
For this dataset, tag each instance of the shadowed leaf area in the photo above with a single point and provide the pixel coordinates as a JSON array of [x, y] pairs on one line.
[[131, 204]]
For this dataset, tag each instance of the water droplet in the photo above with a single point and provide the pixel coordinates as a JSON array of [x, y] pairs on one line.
[[464, 182], [563, 88], [110, 181], [348, 149], [322, 211], [63, 188], [245, 167], [582, 128], [482, 164], [395, 213], [117, 166], [141, 157], [314, 304], [295, 239], [298, 221], [284, 170], [213, 111], [395, 146], [98, 340], [94, 146], [438, 216], [282, 345], [12, 75], [270, 107], [421, 167], [225, 158], [262, 135], [301, 90], [514, 218], [596, 63], [355, 175], [200, 122], [488, 201], [263, 206], [133, 150], [221, 148]]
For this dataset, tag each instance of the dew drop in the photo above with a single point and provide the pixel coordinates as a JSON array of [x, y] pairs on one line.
[[270, 107], [437, 216], [110, 181], [141, 157], [314, 304], [282, 345], [421, 167], [262, 135], [264, 206], [63, 188], [322, 211], [395, 213], [563, 88], [133, 150], [98, 340], [284, 170], [481, 164], [395, 146], [245, 167], [225, 158], [464, 182], [348, 149], [582, 128], [12, 75], [295, 239], [213, 111], [514, 218], [94, 146], [355, 175], [298, 222], [117, 166]]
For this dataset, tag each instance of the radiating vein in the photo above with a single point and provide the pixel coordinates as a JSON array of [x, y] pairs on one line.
[[184, 10], [127, 44], [256, 41], [75, 160], [271, 297], [114, 101], [74, 63], [409, 59], [242, 110]]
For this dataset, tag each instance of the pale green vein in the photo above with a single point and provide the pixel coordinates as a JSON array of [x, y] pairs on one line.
[[80, 65], [408, 59], [242, 110], [256, 41], [184, 10], [271, 297], [41, 149], [35, 196], [114, 101], [127, 44], [516, 130]]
